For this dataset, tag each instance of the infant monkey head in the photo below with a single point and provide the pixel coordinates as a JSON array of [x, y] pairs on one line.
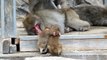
[[54, 31]]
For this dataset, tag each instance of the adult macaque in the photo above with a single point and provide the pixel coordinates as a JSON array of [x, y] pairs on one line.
[[57, 17], [68, 17]]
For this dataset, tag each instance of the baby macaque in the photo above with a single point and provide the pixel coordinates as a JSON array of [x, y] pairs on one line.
[[54, 46], [49, 40], [43, 40]]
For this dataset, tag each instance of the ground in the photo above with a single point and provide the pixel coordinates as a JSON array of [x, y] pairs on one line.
[[77, 55]]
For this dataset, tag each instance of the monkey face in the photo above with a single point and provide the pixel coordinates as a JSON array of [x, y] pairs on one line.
[[37, 28]]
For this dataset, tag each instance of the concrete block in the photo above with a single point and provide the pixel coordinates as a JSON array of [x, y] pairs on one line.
[[6, 45]]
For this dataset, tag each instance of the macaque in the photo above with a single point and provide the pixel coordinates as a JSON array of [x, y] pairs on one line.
[[54, 46], [48, 41], [43, 41], [52, 16], [58, 17], [35, 6]]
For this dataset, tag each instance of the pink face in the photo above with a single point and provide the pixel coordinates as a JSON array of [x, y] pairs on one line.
[[37, 29]]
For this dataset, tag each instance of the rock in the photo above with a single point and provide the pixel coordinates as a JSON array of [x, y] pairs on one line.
[[13, 49], [6, 45]]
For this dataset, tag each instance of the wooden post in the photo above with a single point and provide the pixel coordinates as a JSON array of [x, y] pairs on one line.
[[103, 1]]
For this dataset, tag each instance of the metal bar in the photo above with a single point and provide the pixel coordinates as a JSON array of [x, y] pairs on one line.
[[2, 18], [103, 1], [14, 18], [68, 37]]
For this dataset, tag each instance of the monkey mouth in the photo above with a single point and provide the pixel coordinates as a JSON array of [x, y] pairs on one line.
[[37, 29]]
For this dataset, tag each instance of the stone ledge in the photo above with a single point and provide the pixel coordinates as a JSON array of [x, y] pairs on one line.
[[64, 54]]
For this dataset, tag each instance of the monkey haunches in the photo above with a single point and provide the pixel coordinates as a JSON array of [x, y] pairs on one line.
[[49, 41]]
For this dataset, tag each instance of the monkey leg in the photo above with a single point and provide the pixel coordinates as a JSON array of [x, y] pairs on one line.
[[73, 21], [79, 25]]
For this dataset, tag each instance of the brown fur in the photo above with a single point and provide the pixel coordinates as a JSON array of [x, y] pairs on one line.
[[57, 17], [49, 39], [29, 23], [43, 40], [54, 46]]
